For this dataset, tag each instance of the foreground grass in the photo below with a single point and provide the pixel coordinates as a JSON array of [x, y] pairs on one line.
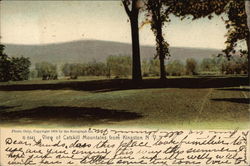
[[64, 104]]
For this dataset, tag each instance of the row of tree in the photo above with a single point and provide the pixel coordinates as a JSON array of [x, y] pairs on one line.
[[158, 12], [208, 66], [120, 66], [73, 70], [13, 68]]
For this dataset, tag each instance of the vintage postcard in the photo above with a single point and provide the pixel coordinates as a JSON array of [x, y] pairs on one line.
[[124, 82]]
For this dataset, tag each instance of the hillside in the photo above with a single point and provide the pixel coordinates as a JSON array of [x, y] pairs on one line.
[[88, 50]]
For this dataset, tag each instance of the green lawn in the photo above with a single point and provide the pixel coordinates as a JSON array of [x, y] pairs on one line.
[[118, 103]]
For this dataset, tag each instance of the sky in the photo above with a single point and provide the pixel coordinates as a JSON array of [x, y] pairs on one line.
[[43, 22]]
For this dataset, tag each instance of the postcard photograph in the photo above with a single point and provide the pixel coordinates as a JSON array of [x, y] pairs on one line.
[[125, 64]]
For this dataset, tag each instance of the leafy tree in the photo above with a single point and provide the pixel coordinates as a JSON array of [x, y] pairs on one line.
[[236, 65], [66, 69], [46, 70], [159, 11], [237, 27], [175, 68], [4, 65], [95, 68], [154, 66], [33, 73], [191, 66], [13, 68], [19, 68], [132, 8], [196, 9], [145, 68], [119, 66], [208, 65], [73, 70], [236, 23]]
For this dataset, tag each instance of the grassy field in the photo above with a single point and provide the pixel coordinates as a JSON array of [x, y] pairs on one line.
[[183, 103]]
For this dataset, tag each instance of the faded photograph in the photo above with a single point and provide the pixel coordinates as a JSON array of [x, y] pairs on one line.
[[166, 64]]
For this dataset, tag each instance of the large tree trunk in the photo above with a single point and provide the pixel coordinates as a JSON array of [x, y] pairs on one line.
[[162, 68], [136, 68], [247, 7], [161, 52], [162, 60], [248, 50], [133, 16]]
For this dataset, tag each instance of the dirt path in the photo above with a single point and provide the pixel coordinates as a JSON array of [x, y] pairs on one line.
[[204, 101]]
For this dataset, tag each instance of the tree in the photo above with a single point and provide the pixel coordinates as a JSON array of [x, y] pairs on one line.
[[73, 70], [154, 66], [14, 68], [175, 68], [119, 65], [208, 65], [145, 68], [237, 27], [46, 70], [4, 65], [236, 22], [236, 65], [196, 9], [95, 68], [247, 9], [159, 11], [19, 68], [191, 66], [132, 8]]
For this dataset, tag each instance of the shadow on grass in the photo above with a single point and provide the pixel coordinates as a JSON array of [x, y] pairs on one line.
[[125, 84], [234, 100], [67, 116]]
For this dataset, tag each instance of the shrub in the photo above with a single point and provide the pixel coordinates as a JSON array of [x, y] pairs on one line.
[[46, 71], [95, 69], [119, 66], [154, 67], [33, 73], [208, 65], [145, 68], [73, 70], [175, 68], [236, 65], [191, 66]]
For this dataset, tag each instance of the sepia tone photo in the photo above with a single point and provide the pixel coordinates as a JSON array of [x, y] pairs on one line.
[[124, 82], [169, 64]]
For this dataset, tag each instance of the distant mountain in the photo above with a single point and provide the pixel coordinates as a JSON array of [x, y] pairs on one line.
[[88, 50]]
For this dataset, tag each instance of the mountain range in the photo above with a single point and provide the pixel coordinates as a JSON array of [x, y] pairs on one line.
[[88, 50]]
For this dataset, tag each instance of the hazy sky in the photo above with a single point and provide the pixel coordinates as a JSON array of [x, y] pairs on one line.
[[40, 22]]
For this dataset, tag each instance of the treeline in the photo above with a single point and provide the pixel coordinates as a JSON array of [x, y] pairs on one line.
[[118, 66], [208, 66]]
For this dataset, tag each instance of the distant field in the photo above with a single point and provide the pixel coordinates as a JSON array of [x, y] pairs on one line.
[[187, 102]]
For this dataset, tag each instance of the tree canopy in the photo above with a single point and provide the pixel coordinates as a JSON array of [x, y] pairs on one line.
[[13, 68]]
